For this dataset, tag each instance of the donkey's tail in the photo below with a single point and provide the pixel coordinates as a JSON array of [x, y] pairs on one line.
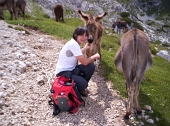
[[135, 50]]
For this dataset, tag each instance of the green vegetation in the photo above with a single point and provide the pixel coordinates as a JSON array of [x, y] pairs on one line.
[[49, 25], [124, 1], [162, 10], [124, 14], [149, 22], [125, 17], [154, 90], [155, 47], [135, 24]]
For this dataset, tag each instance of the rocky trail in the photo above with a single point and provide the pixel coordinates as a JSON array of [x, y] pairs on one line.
[[27, 64]]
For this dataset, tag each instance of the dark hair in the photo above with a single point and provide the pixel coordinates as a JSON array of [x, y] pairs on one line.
[[80, 30]]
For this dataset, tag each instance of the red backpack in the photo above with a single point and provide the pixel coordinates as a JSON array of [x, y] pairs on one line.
[[65, 96]]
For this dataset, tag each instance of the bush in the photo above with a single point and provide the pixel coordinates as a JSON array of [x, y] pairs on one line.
[[158, 42], [129, 21], [165, 44], [149, 22], [124, 14], [153, 50]]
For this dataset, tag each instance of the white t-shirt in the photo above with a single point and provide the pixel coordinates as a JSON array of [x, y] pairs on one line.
[[67, 57]]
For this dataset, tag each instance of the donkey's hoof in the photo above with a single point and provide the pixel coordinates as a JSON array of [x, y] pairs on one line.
[[126, 116], [139, 112]]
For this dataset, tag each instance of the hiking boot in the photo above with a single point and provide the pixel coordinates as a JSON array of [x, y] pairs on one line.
[[84, 93]]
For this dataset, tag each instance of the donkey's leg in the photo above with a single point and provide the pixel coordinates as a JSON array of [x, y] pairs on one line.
[[99, 49], [11, 13], [130, 91], [1, 14], [137, 89], [136, 101], [23, 12], [9, 7]]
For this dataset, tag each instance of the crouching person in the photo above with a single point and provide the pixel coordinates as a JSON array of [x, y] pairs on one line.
[[71, 54]]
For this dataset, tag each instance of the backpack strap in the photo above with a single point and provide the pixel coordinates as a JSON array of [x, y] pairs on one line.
[[56, 109], [60, 74]]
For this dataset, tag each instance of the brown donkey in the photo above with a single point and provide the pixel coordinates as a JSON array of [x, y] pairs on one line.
[[133, 59], [118, 25], [20, 6], [59, 12], [95, 28], [7, 5]]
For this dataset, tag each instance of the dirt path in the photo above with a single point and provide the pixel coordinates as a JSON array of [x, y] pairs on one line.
[[28, 59]]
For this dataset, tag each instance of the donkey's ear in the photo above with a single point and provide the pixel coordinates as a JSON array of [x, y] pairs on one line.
[[99, 17], [83, 15]]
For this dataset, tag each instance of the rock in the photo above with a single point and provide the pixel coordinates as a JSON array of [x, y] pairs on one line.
[[21, 69], [14, 69], [41, 40], [28, 64], [148, 107], [164, 54], [151, 121], [3, 85], [41, 80]]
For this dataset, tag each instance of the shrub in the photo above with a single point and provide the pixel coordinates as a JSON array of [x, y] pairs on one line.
[[165, 44], [153, 50], [124, 14], [129, 21], [158, 42]]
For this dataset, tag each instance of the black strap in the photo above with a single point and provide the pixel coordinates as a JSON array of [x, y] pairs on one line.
[[60, 74]]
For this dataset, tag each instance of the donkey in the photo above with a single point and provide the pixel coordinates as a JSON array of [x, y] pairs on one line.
[[133, 59], [58, 11], [1, 14], [20, 5], [118, 25], [95, 28], [7, 5]]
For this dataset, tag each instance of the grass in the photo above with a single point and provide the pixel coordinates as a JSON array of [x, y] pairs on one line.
[[154, 90], [50, 26]]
